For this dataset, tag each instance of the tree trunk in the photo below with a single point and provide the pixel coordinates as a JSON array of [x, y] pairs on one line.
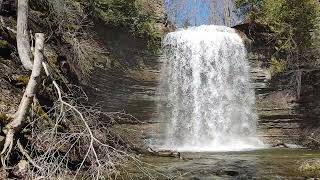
[[214, 15], [227, 13], [31, 89], [23, 40]]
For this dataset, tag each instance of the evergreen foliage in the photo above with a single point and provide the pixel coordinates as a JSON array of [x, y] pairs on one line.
[[295, 24], [130, 15]]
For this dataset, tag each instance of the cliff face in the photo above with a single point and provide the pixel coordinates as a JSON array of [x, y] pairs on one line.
[[288, 113], [128, 80], [123, 81], [288, 102], [276, 103]]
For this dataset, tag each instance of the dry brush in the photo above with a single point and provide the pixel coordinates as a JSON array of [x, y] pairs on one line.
[[67, 140]]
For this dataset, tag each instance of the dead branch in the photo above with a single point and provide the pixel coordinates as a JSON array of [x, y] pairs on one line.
[[3, 24], [314, 140], [25, 154], [84, 141], [86, 137], [20, 117], [88, 129]]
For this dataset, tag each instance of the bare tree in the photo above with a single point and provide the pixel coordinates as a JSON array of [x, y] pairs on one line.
[[23, 40], [227, 13], [24, 50], [101, 157], [20, 117], [176, 9], [214, 19]]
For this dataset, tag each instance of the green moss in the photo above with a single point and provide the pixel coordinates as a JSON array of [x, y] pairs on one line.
[[54, 61], [73, 27], [23, 80], [277, 66], [4, 118], [41, 113], [3, 44], [128, 14], [310, 168]]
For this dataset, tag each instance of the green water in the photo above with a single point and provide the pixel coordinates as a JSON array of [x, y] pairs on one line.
[[260, 164]]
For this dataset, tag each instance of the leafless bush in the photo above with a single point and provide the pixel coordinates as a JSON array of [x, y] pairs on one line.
[[77, 143], [71, 140], [85, 53]]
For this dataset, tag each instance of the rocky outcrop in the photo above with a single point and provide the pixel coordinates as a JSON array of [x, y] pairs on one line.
[[288, 103], [278, 121], [127, 81]]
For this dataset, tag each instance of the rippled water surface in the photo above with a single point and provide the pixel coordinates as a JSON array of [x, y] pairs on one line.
[[261, 164]]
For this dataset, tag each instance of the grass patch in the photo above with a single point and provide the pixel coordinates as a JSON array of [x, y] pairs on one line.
[[310, 168]]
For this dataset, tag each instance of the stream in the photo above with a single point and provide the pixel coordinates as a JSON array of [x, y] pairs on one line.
[[274, 163]]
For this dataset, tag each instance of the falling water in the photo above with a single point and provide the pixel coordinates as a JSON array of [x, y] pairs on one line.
[[207, 99]]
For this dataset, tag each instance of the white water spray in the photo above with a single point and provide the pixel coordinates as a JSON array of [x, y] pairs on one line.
[[207, 97]]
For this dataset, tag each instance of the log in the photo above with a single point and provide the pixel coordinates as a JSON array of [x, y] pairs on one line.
[[161, 153], [19, 118], [280, 145]]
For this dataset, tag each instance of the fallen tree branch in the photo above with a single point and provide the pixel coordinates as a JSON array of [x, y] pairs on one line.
[[20, 116], [25, 154], [92, 138], [313, 139]]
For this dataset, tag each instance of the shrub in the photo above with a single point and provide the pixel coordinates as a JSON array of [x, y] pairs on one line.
[[295, 24], [310, 168]]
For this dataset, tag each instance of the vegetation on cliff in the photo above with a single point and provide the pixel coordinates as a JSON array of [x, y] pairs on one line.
[[140, 17], [294, 25], [286, 40]]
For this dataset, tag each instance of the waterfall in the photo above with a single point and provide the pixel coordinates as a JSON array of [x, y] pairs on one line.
[[207, 100]]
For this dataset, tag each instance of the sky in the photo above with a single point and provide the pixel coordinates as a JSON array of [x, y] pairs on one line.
[[198, 12]]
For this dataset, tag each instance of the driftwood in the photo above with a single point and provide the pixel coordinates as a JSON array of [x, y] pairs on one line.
[[161, 153], [280, 145]]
